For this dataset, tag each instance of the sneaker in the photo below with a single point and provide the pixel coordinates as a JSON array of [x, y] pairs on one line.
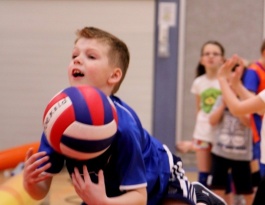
[[207, 196]]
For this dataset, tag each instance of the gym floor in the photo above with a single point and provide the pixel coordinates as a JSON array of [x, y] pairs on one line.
[[62, 192]]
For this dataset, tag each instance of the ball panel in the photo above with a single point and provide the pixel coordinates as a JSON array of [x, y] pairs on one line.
[[82, 113], [57, 107], [95, 100], [53, 103], [86, 146], [83, 131], [108, 115], [62, 122], [113, 110], [79, 155]]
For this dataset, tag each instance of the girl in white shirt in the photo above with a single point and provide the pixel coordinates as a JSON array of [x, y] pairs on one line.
[[206, 90]]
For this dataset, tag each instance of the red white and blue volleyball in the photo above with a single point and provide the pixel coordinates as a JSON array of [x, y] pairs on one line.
[[80, 122]]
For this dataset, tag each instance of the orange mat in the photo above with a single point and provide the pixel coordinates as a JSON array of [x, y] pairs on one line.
[[10, 158]]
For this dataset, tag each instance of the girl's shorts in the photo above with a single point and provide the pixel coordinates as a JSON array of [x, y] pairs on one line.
[[200, 144]]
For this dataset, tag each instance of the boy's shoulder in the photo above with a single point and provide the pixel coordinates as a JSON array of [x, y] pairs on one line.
[[125, 111], [121, 105], [118, 100]]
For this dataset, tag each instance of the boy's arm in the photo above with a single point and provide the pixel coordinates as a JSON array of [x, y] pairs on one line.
[[95, 194], [35, 181]]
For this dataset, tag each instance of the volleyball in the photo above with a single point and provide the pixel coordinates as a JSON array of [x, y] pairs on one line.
[[80, 122]]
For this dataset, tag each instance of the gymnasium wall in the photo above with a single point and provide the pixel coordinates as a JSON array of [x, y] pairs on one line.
[[36, 41], [37, 36]]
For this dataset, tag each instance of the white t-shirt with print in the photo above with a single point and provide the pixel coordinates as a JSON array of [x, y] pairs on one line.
[[208, 90]]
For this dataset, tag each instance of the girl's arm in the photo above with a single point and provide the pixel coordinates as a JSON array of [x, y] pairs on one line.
[[235, 81], [245, 120], [216, 114], [198, 103], [242, 92], [245, 94], [237, 107]]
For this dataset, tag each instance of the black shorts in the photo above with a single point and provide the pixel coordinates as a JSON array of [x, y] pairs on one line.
[[240, 171], [179, 188]]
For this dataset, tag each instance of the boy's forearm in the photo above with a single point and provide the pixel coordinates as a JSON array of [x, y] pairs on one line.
[[38, 190]]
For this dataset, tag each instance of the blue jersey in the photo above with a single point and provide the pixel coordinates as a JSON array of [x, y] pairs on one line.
[[135, 159]]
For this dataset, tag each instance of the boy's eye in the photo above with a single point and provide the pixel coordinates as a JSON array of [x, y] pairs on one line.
[[91, 57]]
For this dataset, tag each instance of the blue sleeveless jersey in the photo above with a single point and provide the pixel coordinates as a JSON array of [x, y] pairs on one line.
[[134, 160]]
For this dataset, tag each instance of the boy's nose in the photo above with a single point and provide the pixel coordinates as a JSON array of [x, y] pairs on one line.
[[77, 60]]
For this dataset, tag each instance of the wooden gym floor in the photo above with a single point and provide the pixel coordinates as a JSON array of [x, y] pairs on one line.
[[62, 192]]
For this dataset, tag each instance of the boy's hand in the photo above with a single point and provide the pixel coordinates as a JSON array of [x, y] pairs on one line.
[[88, 191], [32, 173]]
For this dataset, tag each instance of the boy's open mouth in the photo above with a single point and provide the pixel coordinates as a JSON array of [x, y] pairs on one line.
[[77, 73]]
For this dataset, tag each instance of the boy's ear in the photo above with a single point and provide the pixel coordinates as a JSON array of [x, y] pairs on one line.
[[116, 76]]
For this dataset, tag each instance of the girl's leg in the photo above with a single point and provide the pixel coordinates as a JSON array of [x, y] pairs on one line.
[[203, 158]]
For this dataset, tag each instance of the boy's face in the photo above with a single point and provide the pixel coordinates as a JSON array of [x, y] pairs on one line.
[[90, 64]]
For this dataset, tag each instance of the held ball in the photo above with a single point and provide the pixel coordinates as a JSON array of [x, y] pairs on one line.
[[80, 122]]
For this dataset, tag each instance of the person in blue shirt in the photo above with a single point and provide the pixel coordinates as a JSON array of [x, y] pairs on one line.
[[137, 168]]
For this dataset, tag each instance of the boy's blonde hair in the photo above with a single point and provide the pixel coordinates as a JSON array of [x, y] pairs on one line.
[[118, 55]]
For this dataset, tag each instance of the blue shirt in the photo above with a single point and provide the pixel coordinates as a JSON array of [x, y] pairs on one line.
[[135, 159]]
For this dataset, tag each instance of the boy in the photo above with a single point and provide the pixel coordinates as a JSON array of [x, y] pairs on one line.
[[137, 168]]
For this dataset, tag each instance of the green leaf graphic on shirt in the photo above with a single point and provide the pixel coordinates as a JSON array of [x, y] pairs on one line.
[[208, 98]]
